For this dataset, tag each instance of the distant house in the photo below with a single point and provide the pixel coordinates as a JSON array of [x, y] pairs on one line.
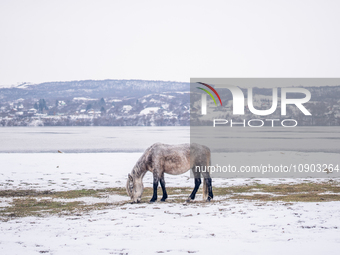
[[32, 111], [40, 114], [126, 108], [61, 103]]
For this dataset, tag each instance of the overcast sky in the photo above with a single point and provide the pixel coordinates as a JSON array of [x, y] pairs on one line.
[[167, 40]]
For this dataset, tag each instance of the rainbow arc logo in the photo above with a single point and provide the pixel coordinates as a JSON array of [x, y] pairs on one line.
[[209, 93]]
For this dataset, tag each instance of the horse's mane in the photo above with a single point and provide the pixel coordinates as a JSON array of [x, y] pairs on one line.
[[140, 167]]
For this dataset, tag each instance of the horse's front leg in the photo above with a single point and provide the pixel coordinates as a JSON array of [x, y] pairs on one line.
[[155, 186], [165, 195]]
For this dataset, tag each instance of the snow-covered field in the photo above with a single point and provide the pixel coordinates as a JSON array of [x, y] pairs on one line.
[[222, 227]]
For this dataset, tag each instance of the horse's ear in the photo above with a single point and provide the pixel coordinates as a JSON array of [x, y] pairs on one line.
[[130, 177]]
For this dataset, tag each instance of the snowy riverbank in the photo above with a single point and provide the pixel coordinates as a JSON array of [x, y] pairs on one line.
[[222, 227]]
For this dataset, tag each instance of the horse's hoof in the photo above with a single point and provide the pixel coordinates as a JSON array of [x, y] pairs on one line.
[[152, 201], [208, 199], [189, 199], [162, 200]]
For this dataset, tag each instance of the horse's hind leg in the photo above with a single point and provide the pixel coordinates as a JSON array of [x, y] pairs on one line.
[[198, 181], [162, 181], [207, 186]]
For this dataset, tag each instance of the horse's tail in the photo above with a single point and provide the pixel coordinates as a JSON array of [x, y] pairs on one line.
[[205, 184], [205, 190]]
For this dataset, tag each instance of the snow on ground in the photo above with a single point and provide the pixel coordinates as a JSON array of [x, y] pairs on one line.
[[222, 227], [69, 171], [62, 171]]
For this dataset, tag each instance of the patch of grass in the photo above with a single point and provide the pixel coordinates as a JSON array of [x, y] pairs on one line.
[[309, 197], [63, 194], [23, 193], [302, 187], [302, 192], [75, 193], [40, 203], [32, 207], [23, 207]]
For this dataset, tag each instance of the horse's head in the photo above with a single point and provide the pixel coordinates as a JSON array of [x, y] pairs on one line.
[[134, 188]]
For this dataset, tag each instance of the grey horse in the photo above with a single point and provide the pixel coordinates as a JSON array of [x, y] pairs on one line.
[[171, 159]]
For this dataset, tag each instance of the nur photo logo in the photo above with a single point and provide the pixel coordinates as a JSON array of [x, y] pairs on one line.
[[238, 104]]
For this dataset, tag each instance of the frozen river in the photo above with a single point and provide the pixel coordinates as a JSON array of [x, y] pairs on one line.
[[137, 139], [88, 139]]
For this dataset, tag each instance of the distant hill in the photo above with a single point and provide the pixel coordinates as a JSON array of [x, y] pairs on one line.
[[91, 88], [144, 103]]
